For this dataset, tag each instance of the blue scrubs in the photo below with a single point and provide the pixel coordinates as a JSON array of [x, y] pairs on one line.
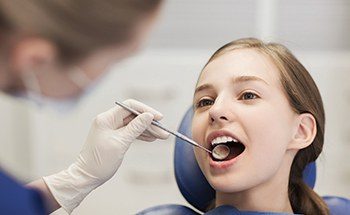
[[15, 199]]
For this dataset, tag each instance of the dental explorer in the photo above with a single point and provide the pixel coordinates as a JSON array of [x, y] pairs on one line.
[[159, 125]]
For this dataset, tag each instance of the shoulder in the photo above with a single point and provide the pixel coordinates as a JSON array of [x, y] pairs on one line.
[[16, 199]]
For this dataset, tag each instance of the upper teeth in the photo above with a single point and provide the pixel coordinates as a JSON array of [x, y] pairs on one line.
[[223, 139]]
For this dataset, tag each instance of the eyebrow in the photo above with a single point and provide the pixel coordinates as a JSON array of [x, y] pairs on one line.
[[248, 78], [239, 79], [203, 87]]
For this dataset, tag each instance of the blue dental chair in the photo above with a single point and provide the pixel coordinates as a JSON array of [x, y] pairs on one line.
[[197, 191]]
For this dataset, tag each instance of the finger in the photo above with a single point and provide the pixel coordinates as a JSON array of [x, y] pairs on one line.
[[114, 117], [128, 119], [137, 126], [153, 130], [146, 138], [140, 107], [117, 116], [156, 132]]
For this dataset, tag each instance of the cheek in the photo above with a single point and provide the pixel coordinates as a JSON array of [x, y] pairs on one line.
[[269, 137], [198, 135], [271, 125], [270, 130], [198, 128]]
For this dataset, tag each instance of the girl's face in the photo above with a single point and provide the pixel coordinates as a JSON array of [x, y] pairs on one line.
[[239, 97]]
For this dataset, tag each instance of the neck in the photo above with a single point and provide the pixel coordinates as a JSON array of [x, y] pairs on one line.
[[269, 196]]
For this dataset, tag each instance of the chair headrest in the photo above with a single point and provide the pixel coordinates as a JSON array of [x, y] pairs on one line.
[[190, 179], [337, 205], [168, 209]]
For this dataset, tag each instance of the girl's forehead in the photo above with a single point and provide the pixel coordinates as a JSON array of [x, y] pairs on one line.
[[241, 62]]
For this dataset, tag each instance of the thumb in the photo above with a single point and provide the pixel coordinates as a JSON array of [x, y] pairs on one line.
[[138, 125]]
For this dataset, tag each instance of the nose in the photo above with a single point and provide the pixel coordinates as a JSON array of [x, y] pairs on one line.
[[220, 112]]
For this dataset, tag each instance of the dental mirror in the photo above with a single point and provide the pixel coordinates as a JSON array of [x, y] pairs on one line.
[[221, 152]]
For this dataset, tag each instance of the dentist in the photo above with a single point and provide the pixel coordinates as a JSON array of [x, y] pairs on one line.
[[52, 52]]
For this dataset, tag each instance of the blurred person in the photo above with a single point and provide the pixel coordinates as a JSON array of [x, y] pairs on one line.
[[257, 99], [52, 53]]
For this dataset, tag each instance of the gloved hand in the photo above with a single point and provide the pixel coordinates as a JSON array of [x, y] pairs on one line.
[[109, 138]]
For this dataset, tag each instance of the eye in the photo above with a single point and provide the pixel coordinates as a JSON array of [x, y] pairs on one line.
[[204, 102], [248, 96]]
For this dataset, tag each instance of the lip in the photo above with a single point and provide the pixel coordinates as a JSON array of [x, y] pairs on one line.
[[222, 164]]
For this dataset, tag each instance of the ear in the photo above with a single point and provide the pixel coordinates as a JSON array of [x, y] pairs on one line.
[[305, 131], [32, 53]]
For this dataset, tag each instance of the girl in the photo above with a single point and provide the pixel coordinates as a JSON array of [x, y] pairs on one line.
[[261, 102]]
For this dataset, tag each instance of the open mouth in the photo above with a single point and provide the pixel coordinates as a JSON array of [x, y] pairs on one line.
[[225, 148]]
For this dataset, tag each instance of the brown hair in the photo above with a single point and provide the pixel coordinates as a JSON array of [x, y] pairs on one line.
[[76, 26], [304, 97]]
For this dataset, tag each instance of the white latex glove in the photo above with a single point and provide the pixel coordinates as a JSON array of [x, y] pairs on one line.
[[109, 138]]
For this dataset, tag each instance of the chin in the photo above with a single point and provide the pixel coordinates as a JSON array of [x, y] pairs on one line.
[[229, 184]]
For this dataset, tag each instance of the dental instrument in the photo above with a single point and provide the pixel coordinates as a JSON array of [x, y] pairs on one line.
[[159, 125], [221, 152]]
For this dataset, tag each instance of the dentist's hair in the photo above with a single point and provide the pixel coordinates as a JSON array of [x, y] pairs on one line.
[[304, 97], [76, 26]]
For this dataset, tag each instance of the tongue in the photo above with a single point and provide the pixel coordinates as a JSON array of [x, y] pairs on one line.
[[235, 151]]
